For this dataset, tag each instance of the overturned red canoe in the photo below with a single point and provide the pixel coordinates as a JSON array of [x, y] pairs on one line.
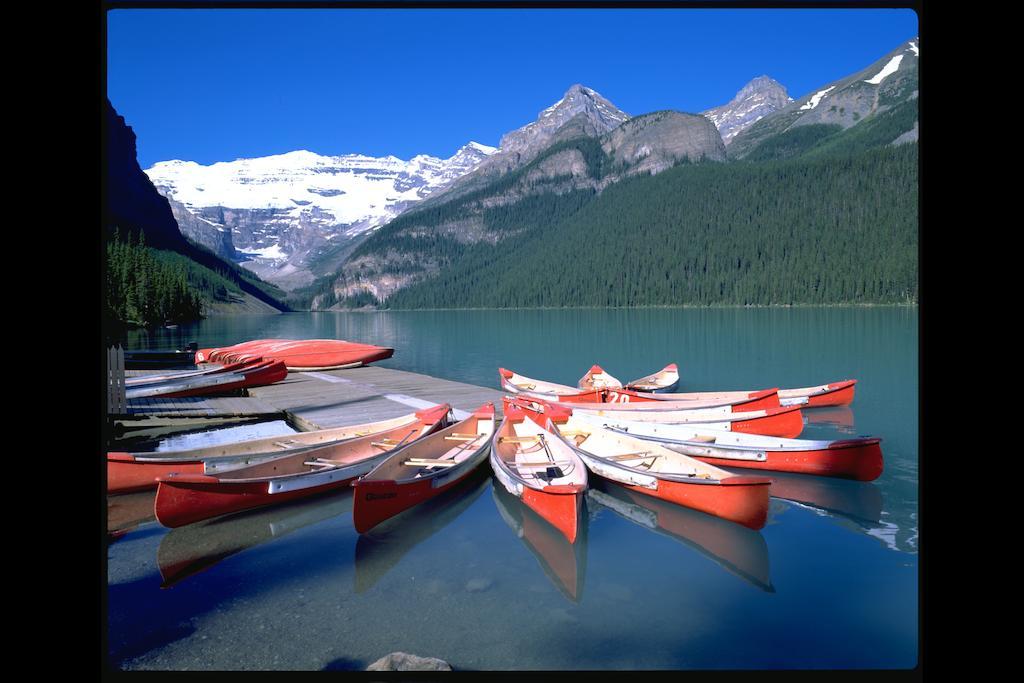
[[255, 375], [534, 465], [423, 470], [300, 354], [162, 378]]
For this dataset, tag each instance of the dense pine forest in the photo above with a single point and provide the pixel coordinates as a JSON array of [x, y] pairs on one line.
[[147, 287], [820, 228]]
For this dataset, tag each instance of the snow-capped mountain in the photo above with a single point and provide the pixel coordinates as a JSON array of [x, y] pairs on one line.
[[580, 111], [757, 99], [280, 211]]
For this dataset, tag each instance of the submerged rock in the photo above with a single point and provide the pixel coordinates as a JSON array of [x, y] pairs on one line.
[[478, 585], [403, 661]]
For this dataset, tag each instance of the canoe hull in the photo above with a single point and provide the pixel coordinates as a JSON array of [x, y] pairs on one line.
[[739, 499], [125, 474], [840, 394], [377, 501], [260, 375], [381, 494], [557, 505], [300, 355], [784, 422], [857, 460], [184, 502]]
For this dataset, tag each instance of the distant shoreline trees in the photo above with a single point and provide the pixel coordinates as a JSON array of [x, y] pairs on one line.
[[146, 289]]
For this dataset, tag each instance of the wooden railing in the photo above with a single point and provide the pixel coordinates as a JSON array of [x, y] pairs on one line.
[[117, 403]]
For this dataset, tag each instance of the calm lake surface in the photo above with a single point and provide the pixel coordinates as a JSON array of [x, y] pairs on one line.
[[831, 582]]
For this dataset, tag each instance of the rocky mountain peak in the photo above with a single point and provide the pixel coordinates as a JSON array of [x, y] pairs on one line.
[[755, 100], [763, 85], [578, 99]]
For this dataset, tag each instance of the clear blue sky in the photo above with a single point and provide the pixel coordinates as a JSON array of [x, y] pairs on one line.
[[211, 85]]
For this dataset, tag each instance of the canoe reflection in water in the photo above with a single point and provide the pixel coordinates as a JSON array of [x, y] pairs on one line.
[[737, 549], [858, 501], [840, 417], [382, 547], [126, 512], [564, 563], [188, 550]]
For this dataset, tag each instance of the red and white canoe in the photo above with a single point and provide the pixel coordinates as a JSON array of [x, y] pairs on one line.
[[654, 470], [514, 383], [300, 354], [831, 394], [785, 421], [254, 375], [597, 378], [154, 378], [757, 400], [859, 459], [186, 498], [128, 472], [539, 469], [664, 380], [423, 470]]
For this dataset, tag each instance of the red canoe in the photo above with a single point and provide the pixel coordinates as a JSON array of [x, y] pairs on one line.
[[859, 458], [538, 468], [656, 471], [664, 380], [785, 421], [597, 378], [255, 375], [128, 472], [831, 394], [423, 470], [756, 400], [186, 498], [300, 354], [156, 378]]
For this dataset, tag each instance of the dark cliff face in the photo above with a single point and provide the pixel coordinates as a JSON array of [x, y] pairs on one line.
[[132, 203]]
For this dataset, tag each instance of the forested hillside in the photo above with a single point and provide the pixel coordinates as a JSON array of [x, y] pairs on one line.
[[827, 228]]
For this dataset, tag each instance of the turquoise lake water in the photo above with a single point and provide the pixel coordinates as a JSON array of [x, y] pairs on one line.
[[831, 581]]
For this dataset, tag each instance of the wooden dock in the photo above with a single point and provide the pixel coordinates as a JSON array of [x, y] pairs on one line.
[[319, 400]]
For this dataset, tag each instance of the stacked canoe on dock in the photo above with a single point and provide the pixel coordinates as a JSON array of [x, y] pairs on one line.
[[251, 364], [300, 354]]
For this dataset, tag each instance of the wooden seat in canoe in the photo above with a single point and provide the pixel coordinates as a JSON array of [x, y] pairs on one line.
[[532, 438], [322, 462], [429, 462], [541, 463]]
